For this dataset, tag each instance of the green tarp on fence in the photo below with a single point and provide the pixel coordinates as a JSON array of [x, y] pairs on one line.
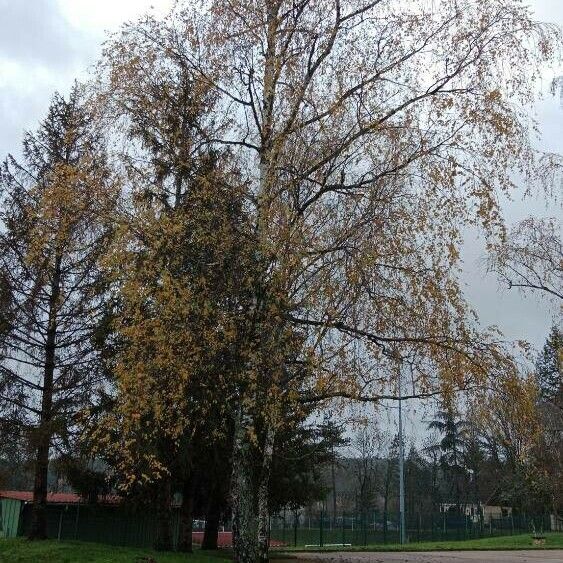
[[10, 512]]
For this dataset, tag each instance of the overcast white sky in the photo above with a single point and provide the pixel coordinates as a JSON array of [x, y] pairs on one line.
[[45, 44]]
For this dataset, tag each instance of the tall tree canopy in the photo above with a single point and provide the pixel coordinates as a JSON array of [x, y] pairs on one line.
[[364, 137], [55, 221]]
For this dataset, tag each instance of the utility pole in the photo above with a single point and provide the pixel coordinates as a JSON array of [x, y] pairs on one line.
[[402, 530]]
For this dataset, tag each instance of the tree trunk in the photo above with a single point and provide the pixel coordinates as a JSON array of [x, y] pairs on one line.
[[263, 494], [38, 529], [163, 540], [186, 516], [243, 497], [212, 517]]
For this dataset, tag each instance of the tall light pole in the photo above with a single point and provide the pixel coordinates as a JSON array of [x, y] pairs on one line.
[[402, 530]]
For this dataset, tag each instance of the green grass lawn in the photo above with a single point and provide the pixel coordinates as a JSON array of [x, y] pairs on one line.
[[521, 541], [21, 550]]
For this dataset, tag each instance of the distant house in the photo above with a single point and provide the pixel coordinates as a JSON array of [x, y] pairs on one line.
[[479, 512], [556, 523]]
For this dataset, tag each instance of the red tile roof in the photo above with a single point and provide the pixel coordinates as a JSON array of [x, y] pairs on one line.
[[56, 498]]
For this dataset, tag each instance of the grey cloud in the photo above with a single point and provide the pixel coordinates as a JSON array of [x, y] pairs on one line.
[[547, 10], [47, 53], [19, 111], [34, 32]]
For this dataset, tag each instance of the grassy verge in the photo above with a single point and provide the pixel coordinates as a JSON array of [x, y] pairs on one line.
[[521, 541], [23, 551]]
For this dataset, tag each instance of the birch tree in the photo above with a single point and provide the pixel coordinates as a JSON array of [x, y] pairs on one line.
[[530, 258], [367, 134]]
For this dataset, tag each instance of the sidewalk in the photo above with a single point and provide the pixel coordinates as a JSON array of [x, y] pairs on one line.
[[524, 556]]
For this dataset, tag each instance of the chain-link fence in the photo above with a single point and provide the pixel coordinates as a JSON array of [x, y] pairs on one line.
[[120, 526], [373, 528], [103, 524]]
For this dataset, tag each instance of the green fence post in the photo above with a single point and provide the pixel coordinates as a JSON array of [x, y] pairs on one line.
[[76, 521], [444, 535], [60, 524], [321, 530], [465, 526]]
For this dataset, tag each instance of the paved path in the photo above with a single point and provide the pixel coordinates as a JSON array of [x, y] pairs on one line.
[[539, 556]]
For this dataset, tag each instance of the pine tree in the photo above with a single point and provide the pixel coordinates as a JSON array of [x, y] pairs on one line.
[[55, 221], [549, 368], [452, 447], [179, 266], [548, 454]]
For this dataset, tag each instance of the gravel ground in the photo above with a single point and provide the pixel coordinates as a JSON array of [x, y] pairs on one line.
[[540, 556]]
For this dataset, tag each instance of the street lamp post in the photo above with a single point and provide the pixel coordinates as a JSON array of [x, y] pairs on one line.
[[402, 530]]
